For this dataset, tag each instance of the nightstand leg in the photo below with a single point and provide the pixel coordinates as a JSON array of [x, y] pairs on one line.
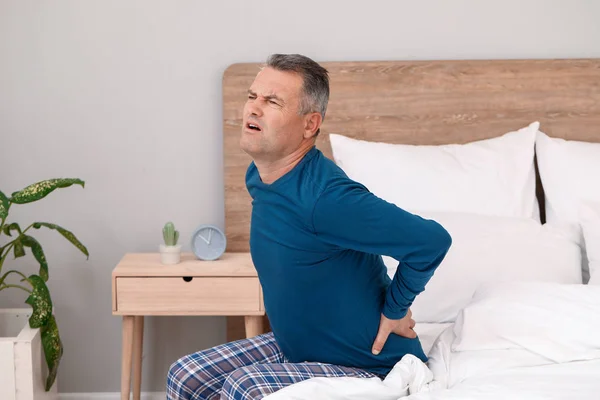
[[254, 325], [127, 347], [138, 348]]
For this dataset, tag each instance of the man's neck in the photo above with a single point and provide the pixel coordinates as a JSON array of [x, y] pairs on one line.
[[270, 171]]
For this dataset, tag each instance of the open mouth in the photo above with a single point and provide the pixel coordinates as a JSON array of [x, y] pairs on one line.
[[253, 126]]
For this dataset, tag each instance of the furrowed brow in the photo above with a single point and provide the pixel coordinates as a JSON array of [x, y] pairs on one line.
[[274, 97], [267, 97]]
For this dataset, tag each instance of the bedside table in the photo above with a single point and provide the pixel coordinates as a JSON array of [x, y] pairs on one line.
[[142, 286]]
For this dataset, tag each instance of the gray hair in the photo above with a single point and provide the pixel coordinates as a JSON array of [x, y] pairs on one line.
[[315, 86]]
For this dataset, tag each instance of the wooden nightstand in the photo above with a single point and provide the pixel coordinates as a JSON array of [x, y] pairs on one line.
[[141, 286]]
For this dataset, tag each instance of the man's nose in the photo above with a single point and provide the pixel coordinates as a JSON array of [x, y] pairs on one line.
[[254, 110]]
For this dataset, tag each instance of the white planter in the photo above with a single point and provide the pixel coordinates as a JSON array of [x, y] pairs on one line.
[[23, 369], [170, 254]]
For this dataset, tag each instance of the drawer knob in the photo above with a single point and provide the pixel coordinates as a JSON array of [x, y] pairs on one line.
[[188, 278]]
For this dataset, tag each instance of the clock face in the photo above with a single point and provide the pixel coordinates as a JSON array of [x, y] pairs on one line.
[[208, 242]]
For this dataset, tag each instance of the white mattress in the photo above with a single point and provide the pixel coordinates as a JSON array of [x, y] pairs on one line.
[[577, 380], [490, 376]]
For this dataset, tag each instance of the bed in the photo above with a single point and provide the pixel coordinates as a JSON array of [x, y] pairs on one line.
[[527, 130]]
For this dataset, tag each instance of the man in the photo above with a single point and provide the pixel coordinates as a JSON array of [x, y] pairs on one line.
[[316, 238]]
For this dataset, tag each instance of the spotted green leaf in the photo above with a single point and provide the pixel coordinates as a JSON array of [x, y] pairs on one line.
[[4, 203], [11, 227], [40, 301], [41, 189], [53, 349], [38, 253], [67, 234], [19, 251]]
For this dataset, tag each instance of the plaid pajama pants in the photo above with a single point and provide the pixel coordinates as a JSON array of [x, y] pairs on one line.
[[247, 369]]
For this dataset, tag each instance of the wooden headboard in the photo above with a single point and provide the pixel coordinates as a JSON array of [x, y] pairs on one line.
[[423, 102]]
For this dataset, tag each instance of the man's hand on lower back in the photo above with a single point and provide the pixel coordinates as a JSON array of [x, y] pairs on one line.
[[402, 327]]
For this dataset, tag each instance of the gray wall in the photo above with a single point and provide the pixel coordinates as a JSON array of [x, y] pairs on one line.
[[126, 95]]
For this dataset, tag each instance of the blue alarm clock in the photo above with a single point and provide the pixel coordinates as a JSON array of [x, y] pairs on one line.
[[208, 242]]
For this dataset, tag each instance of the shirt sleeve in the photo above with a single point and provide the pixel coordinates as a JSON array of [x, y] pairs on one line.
[[349, 216]]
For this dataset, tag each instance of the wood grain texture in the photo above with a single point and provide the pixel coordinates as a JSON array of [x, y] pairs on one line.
[[424, 103], [126, 356], [236, 327], [199, 296], [138, 351], [254, 326], [148, 264]]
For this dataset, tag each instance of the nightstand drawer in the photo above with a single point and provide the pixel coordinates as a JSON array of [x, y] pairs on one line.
[[179, 296]]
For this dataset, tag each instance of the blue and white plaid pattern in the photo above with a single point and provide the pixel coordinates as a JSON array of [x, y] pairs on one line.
[[247, 369]]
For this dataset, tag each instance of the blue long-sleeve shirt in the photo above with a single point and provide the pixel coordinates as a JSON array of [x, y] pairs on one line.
[[316, 240]]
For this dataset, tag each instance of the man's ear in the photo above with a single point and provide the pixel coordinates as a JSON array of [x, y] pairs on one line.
[[312, 123]]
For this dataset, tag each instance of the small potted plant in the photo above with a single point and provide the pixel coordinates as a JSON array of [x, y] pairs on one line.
[[170, 252]]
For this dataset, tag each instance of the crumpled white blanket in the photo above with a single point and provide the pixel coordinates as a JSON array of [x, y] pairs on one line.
[[410, 375]]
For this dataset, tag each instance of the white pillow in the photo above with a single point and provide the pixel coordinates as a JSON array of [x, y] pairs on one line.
[[590, 222], [492, 249], [559, 322], [493, 176], [428, 334], [570, 173]]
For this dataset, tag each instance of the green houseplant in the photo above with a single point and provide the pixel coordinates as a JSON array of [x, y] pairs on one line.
[[170, 252], [39, 296]]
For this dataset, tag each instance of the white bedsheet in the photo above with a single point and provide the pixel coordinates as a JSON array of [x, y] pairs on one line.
[[579, 380], [506, 374], [494, 372]]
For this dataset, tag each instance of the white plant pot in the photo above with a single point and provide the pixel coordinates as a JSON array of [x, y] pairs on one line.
[[23, 369], [170, 254]]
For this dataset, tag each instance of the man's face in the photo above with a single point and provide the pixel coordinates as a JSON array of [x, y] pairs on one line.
[[272, 127]]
